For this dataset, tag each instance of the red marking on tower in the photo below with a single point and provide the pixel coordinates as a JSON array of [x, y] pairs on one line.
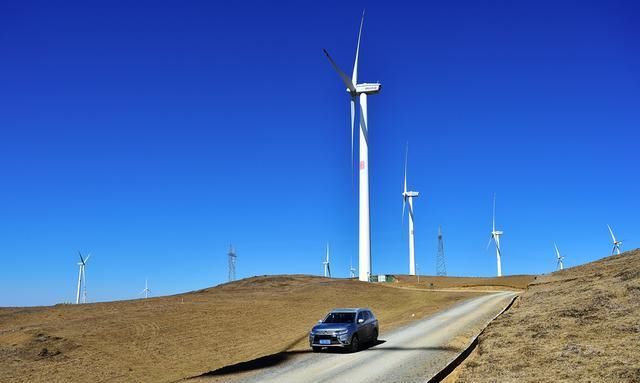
[[361, 165]]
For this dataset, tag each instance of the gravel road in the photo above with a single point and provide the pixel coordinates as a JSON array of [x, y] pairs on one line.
[[410, 354]]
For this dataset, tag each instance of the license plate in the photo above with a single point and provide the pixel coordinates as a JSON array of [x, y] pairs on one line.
[[325, 341]]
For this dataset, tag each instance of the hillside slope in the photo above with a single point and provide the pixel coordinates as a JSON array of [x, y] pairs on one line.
[[166, 339], [577, 325], [507, 282]]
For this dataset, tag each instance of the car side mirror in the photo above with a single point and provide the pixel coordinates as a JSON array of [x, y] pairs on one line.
[[360, 320]]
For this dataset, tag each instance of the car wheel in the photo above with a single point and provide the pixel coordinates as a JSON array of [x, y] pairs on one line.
[[355, 344], [316, 348], [374, 337]]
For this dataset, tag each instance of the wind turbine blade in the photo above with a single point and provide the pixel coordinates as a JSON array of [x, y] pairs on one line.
[[404, 190], [327, 252], [404, 205], [613, 237], [87, 259], [81, 259], [406, 156], [354, 76], [494, 212], [343, 76], [557, 251], [353, 122], [489, 243]]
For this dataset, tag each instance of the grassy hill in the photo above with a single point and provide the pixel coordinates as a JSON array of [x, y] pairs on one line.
[[508, 282], [577, 325], [166, 339]]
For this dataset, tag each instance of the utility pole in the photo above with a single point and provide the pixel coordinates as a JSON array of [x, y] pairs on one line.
[[441, 269], [232, 263]]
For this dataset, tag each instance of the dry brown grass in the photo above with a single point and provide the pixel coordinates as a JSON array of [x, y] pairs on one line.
[[164, 340], [509, 282], [577, 325]]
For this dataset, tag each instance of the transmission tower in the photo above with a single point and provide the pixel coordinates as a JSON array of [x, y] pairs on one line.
[[441, 268], [232, 263]]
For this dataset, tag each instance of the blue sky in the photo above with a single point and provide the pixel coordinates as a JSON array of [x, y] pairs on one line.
[[154, 134]]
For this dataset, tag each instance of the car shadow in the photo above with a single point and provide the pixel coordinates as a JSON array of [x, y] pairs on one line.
[[372, 347], [256, 364], [259, 363], [373, 344]]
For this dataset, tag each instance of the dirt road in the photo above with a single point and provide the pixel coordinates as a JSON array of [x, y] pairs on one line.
[[409, 354]]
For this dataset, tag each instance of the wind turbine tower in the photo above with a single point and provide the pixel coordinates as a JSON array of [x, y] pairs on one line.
[[232, 263], [616, 244], [82, 281], [408, 196], [559, 258], [146, 290], [441, 268], [325, 264], [360, 91], [495, 236]]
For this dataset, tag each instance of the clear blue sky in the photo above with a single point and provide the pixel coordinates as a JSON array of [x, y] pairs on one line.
[[153, 134]]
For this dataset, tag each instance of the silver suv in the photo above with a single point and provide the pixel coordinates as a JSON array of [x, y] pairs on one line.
[[346, 328]]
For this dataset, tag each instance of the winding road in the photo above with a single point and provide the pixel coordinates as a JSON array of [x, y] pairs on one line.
[[414, 353]]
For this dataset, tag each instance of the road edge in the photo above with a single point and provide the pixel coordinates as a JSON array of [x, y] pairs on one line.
[[457, 361]]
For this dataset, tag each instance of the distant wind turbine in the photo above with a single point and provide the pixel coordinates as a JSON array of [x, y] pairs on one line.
[[559, 258], [146, 290], [325, 263], [352, 270], [408, 196], [82, 282], [616, 244], [495, 237], [360, 91]]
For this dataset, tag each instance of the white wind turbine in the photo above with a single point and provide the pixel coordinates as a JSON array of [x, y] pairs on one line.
[[616, 244], [146, 290], [352, 271], [408, 196], [325, 264], [360, 91], [495, 236], [82, 281], [559, 258]]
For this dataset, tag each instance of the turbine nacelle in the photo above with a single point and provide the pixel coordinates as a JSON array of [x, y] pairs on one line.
[[411, 194], [368, 88]]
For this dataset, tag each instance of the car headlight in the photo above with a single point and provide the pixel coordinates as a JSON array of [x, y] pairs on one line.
[[343, 332]]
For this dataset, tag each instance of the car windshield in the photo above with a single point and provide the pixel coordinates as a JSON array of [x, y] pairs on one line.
[[340, 318]]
